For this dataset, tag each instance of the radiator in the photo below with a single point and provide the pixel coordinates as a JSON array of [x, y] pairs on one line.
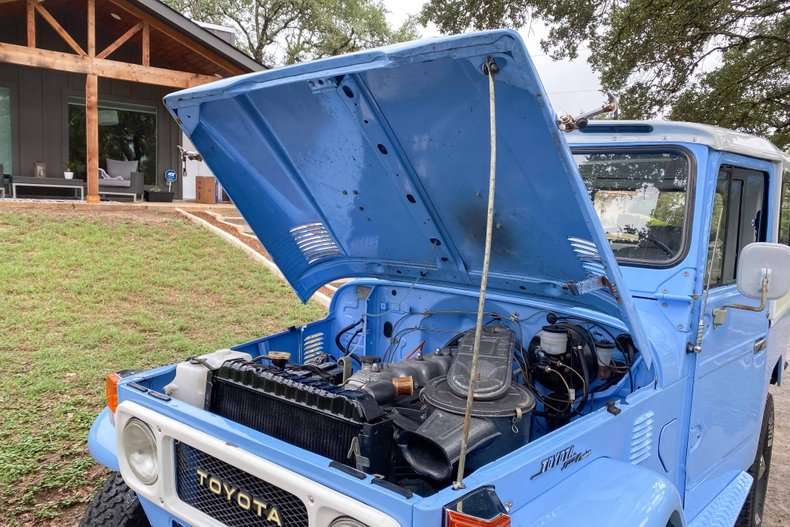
[[346, 427]]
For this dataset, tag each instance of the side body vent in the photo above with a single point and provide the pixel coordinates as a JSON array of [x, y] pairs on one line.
[[642, 438], [588, 255], [312, 346], [315, 242]]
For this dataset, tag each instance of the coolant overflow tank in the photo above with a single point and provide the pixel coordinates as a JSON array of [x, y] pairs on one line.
[[189, 384]]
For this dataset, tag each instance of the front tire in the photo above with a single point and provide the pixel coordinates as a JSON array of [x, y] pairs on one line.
[[115, 505], [752, 512]]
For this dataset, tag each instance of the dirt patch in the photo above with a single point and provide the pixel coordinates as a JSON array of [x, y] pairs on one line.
[[777, 509], [108, 213], [233, 231]]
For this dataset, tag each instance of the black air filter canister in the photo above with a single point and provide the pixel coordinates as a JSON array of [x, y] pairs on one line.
[[494, 368], [497, 427]]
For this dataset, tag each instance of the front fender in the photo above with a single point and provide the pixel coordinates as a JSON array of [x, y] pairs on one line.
[[102, 443], [606, 493]]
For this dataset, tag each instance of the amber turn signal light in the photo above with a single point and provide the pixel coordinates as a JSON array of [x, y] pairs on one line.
[[111, 390], [459, 519], [479, 508]]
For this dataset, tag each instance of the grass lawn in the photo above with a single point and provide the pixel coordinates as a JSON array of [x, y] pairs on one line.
[[83, 294]]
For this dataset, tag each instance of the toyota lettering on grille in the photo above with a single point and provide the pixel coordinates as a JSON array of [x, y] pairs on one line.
[[239, 498]]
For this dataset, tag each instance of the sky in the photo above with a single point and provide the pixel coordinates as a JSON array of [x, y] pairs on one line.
[[572, 86]]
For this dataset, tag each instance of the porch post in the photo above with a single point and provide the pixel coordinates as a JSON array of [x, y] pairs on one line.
[[92, 138], [92, 111]]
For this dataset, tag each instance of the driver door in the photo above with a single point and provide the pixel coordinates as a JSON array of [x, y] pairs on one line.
[[729, 383]]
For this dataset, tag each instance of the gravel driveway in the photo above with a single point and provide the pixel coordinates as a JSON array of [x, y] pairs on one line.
[[777, 510]]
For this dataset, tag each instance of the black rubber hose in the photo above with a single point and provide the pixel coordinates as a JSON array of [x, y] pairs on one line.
[[343, 332], [347, 352], [578, 332]]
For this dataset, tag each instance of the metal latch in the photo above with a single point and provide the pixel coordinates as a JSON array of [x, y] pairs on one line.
[[593, 283], [719, 317], [760, 344]]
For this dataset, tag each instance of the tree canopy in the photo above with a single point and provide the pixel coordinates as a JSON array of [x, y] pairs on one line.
[[723, 62], [277, 32]]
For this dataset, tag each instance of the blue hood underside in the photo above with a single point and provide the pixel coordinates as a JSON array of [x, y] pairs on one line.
[[375, 164]]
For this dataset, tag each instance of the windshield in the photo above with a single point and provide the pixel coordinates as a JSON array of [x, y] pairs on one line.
[[641, 199]]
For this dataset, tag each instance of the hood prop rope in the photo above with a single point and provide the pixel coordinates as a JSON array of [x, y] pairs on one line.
[[490, 68]]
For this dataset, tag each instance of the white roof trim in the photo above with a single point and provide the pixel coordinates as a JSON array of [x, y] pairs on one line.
[[217, 27], [672, 131]]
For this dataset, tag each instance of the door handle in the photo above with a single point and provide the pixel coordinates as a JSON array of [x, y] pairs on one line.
[[760, 344]]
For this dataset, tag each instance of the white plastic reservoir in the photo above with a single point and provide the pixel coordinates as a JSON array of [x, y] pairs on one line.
[[189, 384]]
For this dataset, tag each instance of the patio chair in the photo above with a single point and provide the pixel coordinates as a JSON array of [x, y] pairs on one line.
[[121, 177]]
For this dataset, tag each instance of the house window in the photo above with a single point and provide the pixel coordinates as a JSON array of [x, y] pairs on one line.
[[126, 133], [5, 131], [738, 219], [784, 214]]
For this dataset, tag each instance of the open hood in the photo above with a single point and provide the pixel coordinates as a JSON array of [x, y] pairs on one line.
[[376, 164]]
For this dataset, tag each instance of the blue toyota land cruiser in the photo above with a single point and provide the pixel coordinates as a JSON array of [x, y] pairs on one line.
[[545, 327]]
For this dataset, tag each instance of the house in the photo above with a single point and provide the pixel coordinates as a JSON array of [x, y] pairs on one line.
[[81, 88]]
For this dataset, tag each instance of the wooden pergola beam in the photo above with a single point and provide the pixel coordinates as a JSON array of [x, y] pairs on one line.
[[146, 58], [120, 41], [91, 28], [46, 15], [55, 60], [31, 23], [164, 28]]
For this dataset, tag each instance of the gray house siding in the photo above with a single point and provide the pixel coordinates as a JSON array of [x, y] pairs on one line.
[[39, 116]]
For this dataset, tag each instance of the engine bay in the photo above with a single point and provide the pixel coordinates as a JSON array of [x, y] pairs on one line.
[[385, 392]]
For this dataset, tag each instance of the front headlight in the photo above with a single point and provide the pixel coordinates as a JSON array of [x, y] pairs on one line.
[[139, 447], [345, 521]]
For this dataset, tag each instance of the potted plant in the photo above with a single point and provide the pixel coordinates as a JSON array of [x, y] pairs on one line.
[[158, 194], [71, 167]]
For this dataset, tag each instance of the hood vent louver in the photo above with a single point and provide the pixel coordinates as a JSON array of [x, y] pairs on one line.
[[642, 438], [315, 242], [312, 347], [588, 255]]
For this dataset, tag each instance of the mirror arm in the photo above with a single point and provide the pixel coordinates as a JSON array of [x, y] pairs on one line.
[[763, 297]]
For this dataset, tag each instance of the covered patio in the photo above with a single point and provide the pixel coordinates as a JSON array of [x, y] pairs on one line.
[[81, 84]]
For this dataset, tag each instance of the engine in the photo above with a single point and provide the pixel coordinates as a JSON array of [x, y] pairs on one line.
[[403, 420]]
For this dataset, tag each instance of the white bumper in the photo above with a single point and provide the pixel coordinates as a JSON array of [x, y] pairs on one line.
[[323, 504]]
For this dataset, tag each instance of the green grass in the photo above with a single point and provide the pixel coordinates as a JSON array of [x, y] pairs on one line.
[[85, 294]]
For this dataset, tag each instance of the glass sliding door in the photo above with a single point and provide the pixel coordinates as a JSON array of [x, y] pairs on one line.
[[6, 136], [127, 137]]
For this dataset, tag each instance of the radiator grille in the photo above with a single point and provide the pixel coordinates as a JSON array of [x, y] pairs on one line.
[[291, 510], [317, 432]]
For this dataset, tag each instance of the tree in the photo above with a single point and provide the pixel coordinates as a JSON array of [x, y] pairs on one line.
[[287, 31], [723, 62]]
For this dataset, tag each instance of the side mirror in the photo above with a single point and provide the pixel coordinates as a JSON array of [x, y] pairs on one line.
[[764, 271]]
